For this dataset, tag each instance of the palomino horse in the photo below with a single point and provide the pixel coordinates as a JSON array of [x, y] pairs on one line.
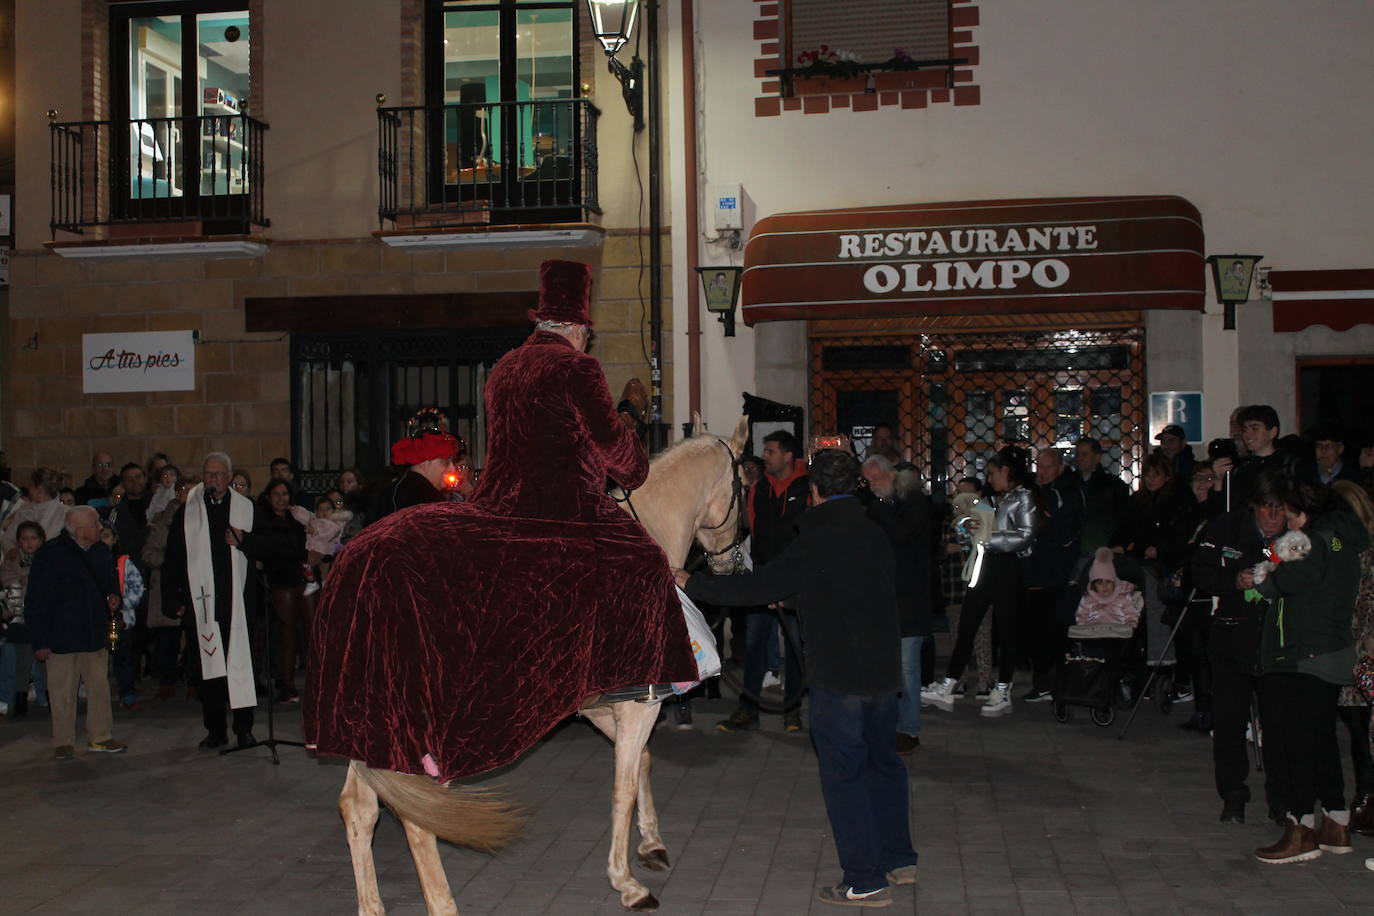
[[692, 492]]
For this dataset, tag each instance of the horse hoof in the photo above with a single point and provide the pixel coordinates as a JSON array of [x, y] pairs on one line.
[[655, 859], [650, 902]]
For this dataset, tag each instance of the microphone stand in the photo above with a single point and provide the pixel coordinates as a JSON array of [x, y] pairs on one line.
[[272, 739]]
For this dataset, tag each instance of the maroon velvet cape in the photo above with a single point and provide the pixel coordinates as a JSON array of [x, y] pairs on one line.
[[465, 631]]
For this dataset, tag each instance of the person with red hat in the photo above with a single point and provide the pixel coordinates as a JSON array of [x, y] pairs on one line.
[[539, 591], [427, 455]]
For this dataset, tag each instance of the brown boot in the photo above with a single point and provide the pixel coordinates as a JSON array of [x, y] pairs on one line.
[[1298, 844], [1333, 837], [1362, 814]]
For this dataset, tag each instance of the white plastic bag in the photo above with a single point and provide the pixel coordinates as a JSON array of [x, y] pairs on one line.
[[703, 641]]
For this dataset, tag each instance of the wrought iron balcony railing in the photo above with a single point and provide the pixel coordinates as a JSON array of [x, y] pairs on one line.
[[487, 162], [206, 169]]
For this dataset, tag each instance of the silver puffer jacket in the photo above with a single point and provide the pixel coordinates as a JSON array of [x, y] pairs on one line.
[[1015, 523]]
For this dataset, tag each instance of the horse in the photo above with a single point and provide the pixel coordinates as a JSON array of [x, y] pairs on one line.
[[693, 492]]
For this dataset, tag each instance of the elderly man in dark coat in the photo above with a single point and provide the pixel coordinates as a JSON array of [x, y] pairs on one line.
[[451, 636], [72, 590], [841, 569]]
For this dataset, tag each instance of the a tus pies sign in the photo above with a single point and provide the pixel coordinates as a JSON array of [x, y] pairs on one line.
[[1069, 254], [147, 361]]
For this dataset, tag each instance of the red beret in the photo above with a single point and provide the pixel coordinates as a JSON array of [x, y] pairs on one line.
[[409, 451]]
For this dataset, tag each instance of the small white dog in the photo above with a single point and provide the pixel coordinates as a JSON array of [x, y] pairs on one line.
[[1290, 546]]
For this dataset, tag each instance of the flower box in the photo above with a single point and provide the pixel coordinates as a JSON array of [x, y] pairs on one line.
[[828, 85]]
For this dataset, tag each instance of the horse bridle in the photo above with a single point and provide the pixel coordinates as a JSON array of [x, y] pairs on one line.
[[736, 501]]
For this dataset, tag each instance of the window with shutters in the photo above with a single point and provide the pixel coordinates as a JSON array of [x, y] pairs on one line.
[[819, 55], [865, 45]]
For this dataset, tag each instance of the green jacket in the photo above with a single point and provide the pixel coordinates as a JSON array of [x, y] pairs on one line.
[[1307, 622]]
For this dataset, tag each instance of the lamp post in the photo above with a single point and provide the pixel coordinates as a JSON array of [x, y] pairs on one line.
[[1231, 278], [720, 284], [613, 21]]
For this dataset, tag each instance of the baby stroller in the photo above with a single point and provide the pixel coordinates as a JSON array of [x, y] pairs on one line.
[[1098, 657]]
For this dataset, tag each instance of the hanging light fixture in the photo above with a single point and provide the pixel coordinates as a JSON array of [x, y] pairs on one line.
[[1232, 275], [613, 22], [720, 283]]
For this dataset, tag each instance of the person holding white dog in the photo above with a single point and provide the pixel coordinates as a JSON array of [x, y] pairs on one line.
[[1306, 655]]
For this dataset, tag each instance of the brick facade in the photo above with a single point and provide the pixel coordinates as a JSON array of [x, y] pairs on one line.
[[241, 402]]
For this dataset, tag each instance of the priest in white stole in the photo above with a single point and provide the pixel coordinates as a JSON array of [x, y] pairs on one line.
[[207, 583]]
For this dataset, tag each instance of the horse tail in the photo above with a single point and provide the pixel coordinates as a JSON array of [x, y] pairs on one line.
[[478, 818]]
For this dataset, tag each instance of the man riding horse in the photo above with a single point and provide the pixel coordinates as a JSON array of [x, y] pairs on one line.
[[566, 594]]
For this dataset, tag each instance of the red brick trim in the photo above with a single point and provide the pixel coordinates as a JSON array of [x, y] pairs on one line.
[[767, 26]]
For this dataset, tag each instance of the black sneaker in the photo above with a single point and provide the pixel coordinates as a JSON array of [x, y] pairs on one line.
[[983, 692], [907, 744], [844, 895], [1037, 696], [792, 721], [740, 720]]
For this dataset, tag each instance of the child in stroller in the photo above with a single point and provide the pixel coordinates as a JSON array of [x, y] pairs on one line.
[[1099, 642]]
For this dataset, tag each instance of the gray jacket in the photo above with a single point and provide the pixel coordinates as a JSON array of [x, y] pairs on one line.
[[1015, 524]]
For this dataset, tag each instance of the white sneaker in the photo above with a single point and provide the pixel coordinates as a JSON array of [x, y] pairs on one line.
[[940, 694], [999, 702], [4, 709], [771, 680]]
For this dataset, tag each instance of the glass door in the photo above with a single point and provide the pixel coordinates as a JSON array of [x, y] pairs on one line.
[[181, 77], [505, 74]]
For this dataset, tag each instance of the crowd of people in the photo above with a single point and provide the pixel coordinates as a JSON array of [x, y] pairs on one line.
[[172, 574], [138, 570], [1040, 547]]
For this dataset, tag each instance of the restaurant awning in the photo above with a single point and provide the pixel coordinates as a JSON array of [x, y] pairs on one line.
[[1339, 299], [976, 257]]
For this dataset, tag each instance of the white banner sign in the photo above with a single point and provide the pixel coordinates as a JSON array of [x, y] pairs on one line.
[[147, 361]]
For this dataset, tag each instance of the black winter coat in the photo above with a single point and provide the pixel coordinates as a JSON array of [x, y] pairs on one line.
[[1228, 544], [66, 606], [1104, 497], [906, 521], [278, 543], [1059, 520], [840, 567], [773, 517]]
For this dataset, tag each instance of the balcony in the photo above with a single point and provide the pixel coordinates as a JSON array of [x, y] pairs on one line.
[[505, 164], [158, 177]]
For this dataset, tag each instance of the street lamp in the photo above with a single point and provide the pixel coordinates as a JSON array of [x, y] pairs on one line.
[[1231, 278], [721, 287], [613, 22]]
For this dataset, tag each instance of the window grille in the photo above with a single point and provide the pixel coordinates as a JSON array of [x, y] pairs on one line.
[[351, 394], [956, 398]]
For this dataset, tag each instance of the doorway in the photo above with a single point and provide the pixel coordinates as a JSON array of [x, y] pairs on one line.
[[955, 398], [1337, 391]]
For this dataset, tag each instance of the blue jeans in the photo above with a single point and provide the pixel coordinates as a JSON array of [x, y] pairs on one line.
[[909, 702], [864, 784], [761, 630]]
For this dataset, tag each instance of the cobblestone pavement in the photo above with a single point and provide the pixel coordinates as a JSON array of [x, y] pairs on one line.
[[1019, 815]]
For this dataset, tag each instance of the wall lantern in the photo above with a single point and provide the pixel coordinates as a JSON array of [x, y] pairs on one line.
[[721, 287], [613, 22], [1231, 278]]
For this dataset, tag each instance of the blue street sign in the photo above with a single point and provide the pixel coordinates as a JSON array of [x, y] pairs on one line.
[[1176, 408]]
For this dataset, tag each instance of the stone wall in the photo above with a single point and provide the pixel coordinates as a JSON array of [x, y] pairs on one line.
[[241, 403]]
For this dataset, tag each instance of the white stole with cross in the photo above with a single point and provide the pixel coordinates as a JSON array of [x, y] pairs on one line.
[[200, 572]]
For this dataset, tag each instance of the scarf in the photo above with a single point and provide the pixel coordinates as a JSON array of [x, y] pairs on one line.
[[238, 667]]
